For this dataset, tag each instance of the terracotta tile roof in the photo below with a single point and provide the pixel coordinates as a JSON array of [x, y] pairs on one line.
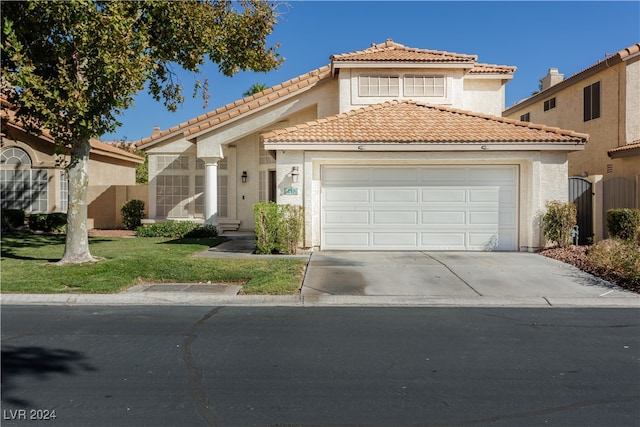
[[635, 145], [492, 69], [410, 121], [236, 108], [392, 51], [97, 147]]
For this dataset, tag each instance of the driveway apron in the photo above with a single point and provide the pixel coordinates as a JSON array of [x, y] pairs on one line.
[[448, 274]]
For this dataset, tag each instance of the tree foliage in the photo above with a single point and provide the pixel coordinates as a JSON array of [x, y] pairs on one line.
[[72, 67], [255, 88]]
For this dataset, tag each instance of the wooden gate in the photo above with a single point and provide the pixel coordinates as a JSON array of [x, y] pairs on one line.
[[581, 194]]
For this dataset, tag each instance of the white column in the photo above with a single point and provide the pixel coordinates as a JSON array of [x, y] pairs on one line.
[[211, 190]]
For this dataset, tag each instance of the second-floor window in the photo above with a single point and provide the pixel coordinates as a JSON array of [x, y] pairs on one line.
[[592, 102], [549, 104], [525, 117], [424, 86], [379, 86]]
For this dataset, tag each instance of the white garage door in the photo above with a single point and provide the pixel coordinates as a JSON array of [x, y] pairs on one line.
[[419, 208]]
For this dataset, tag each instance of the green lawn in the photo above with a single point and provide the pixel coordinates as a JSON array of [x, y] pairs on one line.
[[27, 266]]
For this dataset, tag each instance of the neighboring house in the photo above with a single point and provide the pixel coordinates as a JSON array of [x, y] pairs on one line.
[[603, 101], [388, 148], [32, 176]]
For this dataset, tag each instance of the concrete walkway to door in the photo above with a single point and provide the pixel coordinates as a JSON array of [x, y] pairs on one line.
[[462, 278]]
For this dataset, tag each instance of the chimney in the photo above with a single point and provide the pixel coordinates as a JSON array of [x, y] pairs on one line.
[[552, 78], [155, 131]]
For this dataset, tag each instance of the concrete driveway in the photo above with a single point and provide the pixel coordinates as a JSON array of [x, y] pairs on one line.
[[452, 275]]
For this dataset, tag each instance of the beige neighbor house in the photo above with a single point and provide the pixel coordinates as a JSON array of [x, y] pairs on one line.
[[388, 148], [604, 102], [32, 176]]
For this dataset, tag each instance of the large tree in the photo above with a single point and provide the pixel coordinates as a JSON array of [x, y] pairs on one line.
[[71, 67]]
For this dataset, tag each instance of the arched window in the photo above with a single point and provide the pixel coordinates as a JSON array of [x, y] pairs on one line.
[[20, 186], [15, 156]]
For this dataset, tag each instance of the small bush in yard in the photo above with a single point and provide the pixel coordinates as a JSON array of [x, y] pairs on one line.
[[278, 228], [623, 223], [267, 221], [559, 221], [204, 231], [56, 221], [172, 229], [12, 219], [132, 213], [618, 257]]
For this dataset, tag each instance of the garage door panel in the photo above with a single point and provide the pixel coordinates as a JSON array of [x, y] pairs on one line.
[[443, 218], [395, 175], [395, 195], [342, 217], [453, 241], [491, 175], [406, 240], [340, 175], [347, 240], [482, 240], [451, 176], [484, 218], [484, 195], [443, 195], [419, 208], [395, 217], [347, 195]]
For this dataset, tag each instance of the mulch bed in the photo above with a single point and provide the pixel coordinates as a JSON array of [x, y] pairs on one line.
[[577, 256]]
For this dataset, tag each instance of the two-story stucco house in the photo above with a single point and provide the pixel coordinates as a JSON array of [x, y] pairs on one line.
[[604, 102], [387, 148]]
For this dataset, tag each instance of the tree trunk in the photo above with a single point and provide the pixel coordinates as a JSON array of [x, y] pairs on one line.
[[76, 250]]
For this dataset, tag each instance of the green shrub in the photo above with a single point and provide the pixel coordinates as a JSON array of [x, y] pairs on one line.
[[267, 222], [290, 229], [132, 213], [171, 229], [56, 221], [204, 231], [623, 223], [620, 257], [38, 222], [278, 227], [558, 222], [12, 219]]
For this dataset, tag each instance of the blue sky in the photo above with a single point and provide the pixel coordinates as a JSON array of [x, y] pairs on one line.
[[533, 36]]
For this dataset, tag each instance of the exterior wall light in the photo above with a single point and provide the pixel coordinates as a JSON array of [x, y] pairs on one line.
[[295, 173], [244, 176]]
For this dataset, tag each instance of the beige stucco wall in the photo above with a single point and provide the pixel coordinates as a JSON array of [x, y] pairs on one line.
[[105, 174], [617, 125], [479, 94], [105, 202], [484, 95], [542, 177]]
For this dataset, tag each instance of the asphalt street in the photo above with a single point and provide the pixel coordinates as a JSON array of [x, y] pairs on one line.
[[319, 366]]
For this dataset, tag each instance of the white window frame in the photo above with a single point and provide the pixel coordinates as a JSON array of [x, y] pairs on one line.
[[379, 85], [424, 85]]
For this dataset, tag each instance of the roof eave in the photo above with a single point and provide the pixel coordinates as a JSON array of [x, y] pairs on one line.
[[401, 64], [425, 146]]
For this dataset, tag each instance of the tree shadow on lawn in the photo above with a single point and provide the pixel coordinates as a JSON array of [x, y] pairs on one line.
[[15, 241], [22, 364]]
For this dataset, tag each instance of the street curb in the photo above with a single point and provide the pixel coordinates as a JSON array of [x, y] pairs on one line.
[[181, 299]]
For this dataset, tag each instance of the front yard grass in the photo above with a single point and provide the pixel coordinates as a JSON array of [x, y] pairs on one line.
[[27, 266]]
